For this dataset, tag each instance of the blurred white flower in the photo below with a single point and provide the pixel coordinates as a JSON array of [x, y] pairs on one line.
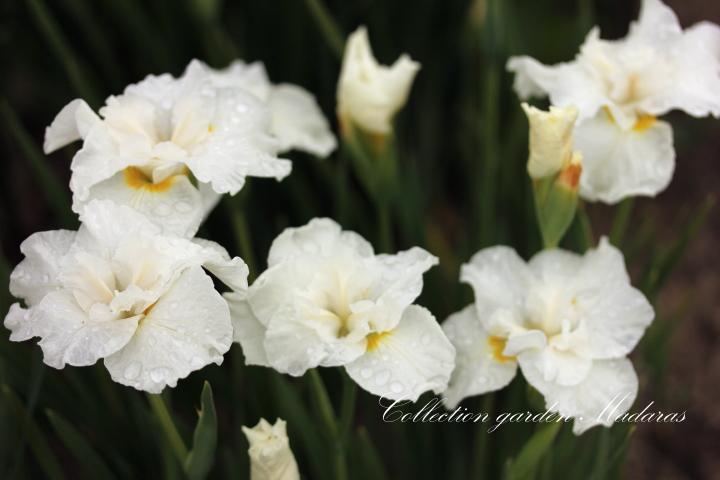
[[370, 94], [327, 300], [568, 320], [620, 87], [270, 455], [168, 147], [551, 141], [295, 117], [118, 290]]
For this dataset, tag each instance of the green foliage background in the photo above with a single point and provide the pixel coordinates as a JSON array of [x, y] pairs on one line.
[[462, 186]]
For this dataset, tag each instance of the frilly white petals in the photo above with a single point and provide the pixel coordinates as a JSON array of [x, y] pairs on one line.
[[618, 164], [568, 320], [144, 144], [295, 119], [406, 361], [121, 291], [71, 124], [270, 455], [608, 390], [551, 139], [370, 94], [188, 328], [479, 365], [328, 300]]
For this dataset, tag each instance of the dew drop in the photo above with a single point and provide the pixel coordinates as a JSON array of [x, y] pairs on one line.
[[425, 339], [162, 210], [183, 207], [382, 378], [132, 371], [157, 375], [396, 387], [365, 373]]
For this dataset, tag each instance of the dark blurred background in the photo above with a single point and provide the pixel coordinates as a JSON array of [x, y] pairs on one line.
[[456, 146]]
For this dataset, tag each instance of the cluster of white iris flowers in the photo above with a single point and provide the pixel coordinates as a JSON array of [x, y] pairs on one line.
[[132, 286]]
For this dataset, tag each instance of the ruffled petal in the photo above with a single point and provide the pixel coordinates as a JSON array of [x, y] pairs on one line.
[[480, 366], [619, 164], [72, 123], [411, 359], [188, 328]]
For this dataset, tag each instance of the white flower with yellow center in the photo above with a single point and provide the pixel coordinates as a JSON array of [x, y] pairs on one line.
[[568, 320], [620, 87], [369, 94], [327, 300], [118, 290], [296, 120], [168, 147], [270, 455]]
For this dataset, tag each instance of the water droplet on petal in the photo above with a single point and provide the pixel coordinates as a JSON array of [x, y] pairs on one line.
[[396, 387], [132, 371], [382, 378], [425, 339], [365, 373], [158, 375]]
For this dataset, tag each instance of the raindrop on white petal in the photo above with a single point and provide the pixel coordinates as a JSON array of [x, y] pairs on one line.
[[396, 387], [132, 371], [162, 210], [183, 207], [425, 339], [196, 362], [382, 378], [365, 373], [159, 374]]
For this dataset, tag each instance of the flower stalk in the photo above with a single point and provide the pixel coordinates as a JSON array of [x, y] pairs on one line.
[[164, 418]]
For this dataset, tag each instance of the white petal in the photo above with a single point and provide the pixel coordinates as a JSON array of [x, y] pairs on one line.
[[657, 23], [298, 122], [188, 328], [615, 315], [402, 282], [500, 280], [478, 367], [37, 274], [555, 266], [619, 164], [551, 366], [567, 84], [233, 272], [608, 383], [322, 237], [405, 362], [72, 123], [292, 344], [69, 336], [240, 146], [110, 223], [247, 329], [174, 204]]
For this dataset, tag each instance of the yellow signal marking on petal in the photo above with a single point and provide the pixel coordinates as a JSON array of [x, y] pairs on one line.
[[497, 345], [136, 179], [211, 128], [644, 122], [373, 340]]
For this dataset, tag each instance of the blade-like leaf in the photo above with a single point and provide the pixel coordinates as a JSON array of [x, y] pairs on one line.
[[86, 456], [529, 458], [200, 460], [34, 435]]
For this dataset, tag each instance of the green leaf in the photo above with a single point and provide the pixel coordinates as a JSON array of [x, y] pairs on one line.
[[86, 456], [200, 460], [50, 29], [34, 436], [55, 192], [534, 450]]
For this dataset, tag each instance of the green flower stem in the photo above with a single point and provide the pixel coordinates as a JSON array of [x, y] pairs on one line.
[[320, 395], [175, 441], [620, 223], [242, 235], [327, 25], [588, 236], [347, 407], [384, 224]]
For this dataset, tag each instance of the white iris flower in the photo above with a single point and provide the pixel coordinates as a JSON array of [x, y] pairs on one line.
[[118, 290], [327, 300], [568, 320], [620, 87]]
